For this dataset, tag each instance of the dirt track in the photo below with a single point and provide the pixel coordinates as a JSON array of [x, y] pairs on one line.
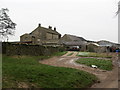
[[108, 79]]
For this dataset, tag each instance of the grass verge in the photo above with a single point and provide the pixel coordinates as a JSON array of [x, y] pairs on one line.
[[59, 53], [27, 70], [100, 63], [90, 54]]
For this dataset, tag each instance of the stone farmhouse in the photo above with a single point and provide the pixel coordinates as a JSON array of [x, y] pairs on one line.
[[41, 36]]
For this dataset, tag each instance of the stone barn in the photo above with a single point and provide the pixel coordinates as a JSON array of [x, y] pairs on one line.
[[73, 41], [93, 47], [41, 36]]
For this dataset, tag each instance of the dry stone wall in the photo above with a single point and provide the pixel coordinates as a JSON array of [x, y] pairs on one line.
[[23, 49]]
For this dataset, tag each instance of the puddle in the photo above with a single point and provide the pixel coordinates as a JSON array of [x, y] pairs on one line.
[[83, 53], [61, 59]]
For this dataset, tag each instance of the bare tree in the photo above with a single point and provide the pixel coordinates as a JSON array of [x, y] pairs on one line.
[[7, 27], [118, 11]]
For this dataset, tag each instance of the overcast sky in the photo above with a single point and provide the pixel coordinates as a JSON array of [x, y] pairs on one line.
[[90, 19]]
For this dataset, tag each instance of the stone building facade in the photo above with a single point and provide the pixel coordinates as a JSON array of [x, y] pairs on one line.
[[41, 36], [72, 41]]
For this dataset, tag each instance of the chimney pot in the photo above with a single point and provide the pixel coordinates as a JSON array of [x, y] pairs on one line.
[[39, 25], [50, 27], [54, 28]]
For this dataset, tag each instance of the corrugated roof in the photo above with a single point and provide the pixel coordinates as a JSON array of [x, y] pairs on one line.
[[93, 44], [105, 43]]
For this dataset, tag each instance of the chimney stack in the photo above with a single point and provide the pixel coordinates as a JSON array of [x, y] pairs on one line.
[[39, 25], [54, 28], [50, 27]]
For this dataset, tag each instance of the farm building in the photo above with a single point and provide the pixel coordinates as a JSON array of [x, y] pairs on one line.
[[94, 47], [102, 46], [72, 41], [108, 46], [41, 36]]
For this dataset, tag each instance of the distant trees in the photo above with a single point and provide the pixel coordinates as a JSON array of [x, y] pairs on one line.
[[7, 26]]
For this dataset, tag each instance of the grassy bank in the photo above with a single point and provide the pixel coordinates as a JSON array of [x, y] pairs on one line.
[[90, 54], [100, 63], [26, 72]]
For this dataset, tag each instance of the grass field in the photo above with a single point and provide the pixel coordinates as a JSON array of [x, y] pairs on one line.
[[91, 54], [100, 63], [27, 70]]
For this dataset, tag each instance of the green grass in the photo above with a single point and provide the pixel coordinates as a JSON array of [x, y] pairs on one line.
[[70, 54], [59, 53], [27, 69], [46, 57], [90, 54], [100, 63]]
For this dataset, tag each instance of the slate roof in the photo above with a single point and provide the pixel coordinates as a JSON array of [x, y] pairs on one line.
[[72, 40], [47, 30], [75, 38]]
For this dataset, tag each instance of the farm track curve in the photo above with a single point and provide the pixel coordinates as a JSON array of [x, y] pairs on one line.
[[107, 79]]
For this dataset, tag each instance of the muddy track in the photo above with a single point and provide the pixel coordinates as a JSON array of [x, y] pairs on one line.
[[107, 79]]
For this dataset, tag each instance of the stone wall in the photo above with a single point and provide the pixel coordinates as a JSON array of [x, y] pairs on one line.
[[97, 49], [48, 36], [55, 36], [23, 49], [25, 38]]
